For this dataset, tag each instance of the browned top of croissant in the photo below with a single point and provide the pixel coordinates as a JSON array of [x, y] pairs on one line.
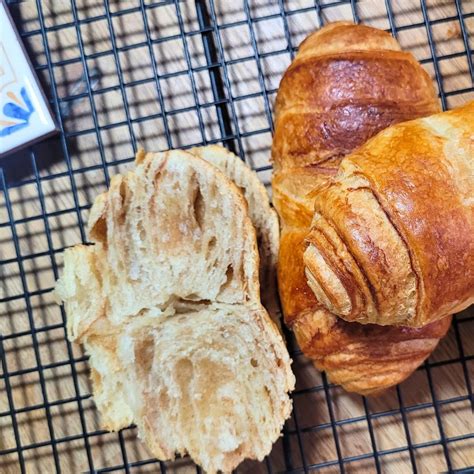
[[392, 240], [346, 83]]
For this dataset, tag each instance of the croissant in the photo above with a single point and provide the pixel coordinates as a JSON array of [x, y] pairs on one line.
[[339, 92], [392, 238], [167, 304]]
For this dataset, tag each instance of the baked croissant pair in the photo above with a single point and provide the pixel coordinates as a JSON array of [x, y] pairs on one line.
[[377, 242]]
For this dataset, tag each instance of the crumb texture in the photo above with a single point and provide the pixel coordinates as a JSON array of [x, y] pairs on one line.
[[167, 305]]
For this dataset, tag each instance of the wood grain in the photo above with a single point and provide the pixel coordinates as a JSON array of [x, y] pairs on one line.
[[100, 142]]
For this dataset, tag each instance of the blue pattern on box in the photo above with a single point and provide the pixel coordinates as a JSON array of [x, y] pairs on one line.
[[12, 110]]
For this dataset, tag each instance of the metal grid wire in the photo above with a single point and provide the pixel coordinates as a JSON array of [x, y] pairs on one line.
[[218, 86]]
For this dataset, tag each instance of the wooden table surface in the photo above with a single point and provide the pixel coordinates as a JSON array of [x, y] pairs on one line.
[[102, 132]]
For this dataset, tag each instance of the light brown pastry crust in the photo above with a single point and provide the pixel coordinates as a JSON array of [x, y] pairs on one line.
[[317, 123]]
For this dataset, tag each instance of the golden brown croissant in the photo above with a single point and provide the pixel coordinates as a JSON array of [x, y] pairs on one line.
[[392, 239], [347, 83]]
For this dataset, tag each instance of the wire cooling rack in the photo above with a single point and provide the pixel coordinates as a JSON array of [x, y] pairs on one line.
[[124, 74]]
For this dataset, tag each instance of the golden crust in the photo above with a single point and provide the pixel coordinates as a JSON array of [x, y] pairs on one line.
[[419, 261], [365, 358], [329, 103], [338, 93]]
